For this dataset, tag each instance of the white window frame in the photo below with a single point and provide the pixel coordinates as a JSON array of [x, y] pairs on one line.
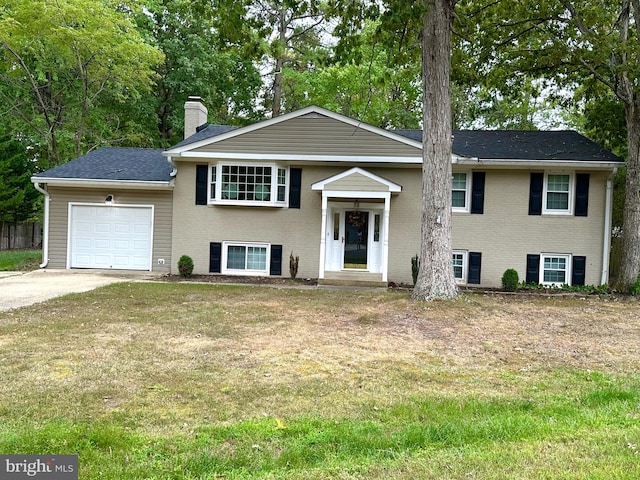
[[465, 265], [568, 268], [570, 195], [214, 191], [467, 193], [233, 271]]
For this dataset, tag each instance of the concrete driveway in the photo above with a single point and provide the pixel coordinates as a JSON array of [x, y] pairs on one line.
[[19, 289]]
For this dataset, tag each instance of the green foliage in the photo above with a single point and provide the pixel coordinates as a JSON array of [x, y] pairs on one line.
[[199, 59], [185, 266], [603, 289], [510, 280], [19, 200], [293, 265], [59, 85], [634, 289], [415, 268], [19, 260], [373, 89]]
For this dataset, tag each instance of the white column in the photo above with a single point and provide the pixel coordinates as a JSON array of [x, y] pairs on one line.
[[323, 235], [385, 238]]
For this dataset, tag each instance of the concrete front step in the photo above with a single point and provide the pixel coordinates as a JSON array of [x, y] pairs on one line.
[[353, 279]]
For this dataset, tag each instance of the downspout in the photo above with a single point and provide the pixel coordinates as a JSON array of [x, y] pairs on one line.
[[174, 170], [45, 234], [606, 243]]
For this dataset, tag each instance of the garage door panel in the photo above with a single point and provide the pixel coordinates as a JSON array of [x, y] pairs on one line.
[[110, 237]]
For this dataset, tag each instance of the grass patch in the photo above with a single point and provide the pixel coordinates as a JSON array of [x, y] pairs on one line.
[[20, 260], [182, 381]]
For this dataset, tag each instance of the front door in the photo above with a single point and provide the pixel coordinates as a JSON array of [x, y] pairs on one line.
[[356, 233]]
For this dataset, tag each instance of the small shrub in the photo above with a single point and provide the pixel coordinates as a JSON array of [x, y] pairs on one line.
[[293, 265], [185, 266], [415, 266], [510, 280], [635, 287]]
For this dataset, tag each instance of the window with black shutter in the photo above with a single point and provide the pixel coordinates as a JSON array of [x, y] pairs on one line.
[[535, 193], [475, 262], [202, 172], [477, 192]]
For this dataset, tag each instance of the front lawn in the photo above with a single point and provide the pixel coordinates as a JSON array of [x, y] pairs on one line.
[[184, 381], [19, 260]]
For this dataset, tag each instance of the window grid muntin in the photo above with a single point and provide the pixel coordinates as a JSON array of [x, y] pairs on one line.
[[558, 193], [458, 265], [236, 257], [555, 269], [459, 188], [212, 183], [256, 258], [246, 182], [241, 184], [282, 184]]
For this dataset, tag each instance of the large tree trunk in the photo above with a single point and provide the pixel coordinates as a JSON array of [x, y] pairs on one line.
[[435, 277], [631, 239]]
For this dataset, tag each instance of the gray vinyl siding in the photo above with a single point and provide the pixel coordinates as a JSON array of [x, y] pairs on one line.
[[313, 136], [59, 211], [356, 181]]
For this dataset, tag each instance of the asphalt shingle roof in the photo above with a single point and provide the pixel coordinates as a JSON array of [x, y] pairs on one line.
[[523, 145], [140, 164], [204, 132], [113, 163]]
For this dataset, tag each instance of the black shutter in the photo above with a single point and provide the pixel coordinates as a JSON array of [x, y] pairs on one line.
[[533, 268], [475, 261], [202, 173], [535, 193], [582, 194], [477, 192], [276, 260], [295, 187], [215, 257], [579, 270]]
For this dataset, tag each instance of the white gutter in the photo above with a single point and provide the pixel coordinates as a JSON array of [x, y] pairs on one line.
[[606, 241], [84, 182], [45, 233], [514, 162]]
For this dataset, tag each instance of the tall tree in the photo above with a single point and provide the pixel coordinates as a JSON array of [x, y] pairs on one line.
[[427, 23], [367, 84], [574, 42], [292, 29], [435, 276], [85, 54], [202, 56]]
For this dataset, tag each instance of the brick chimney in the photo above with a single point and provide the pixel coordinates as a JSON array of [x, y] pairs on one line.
[[195, 114]]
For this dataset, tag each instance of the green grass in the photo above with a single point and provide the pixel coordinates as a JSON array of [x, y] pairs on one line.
[[19, 260], [177, 381]]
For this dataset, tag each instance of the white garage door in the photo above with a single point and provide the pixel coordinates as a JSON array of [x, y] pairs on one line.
[[110, 237]]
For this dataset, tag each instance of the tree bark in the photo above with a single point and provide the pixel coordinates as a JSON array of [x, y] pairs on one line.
[[435, 277], [631, 235]]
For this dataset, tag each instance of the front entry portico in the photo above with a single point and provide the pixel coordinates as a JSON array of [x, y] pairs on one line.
[[354, 238]]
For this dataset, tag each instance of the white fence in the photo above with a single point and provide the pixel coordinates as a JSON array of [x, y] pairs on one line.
[[23, 235]]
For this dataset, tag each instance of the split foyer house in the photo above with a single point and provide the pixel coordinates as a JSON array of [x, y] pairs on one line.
[[342, 195]]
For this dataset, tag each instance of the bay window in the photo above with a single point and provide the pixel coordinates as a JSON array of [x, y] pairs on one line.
[[244, 184]]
